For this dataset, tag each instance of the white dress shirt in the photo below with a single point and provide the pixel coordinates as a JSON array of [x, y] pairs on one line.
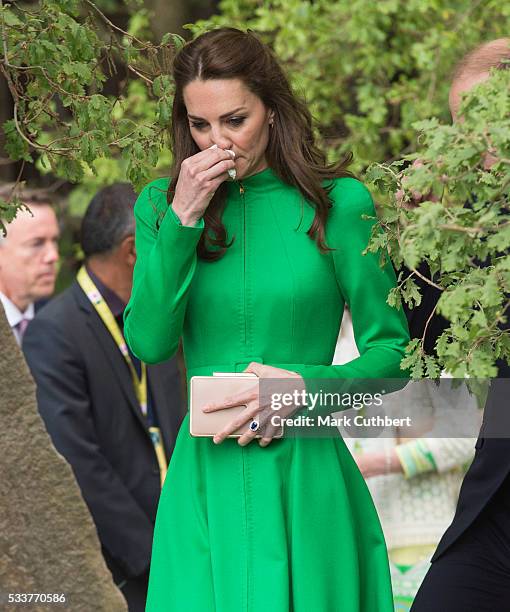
[[15, 316]]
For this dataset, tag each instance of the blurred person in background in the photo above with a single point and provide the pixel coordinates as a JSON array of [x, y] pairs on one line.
[[414, 482], [28, 259], [470, 569], [112, 417]]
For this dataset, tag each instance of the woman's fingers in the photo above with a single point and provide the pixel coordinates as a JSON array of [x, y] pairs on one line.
[[265, 441], [240, 399], [245, 417], [217, 170], [200, 162], [247, 437], [258, 409], [199, 177], [246, 398], [265, 428], [253, 413], [270, 431], [257, 368]]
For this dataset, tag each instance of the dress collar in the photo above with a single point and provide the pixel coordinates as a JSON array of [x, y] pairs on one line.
[[264, 180]]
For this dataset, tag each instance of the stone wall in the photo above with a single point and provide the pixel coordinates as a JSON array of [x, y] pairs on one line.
[[48, 541]]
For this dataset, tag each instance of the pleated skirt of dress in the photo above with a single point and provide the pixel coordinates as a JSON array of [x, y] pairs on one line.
[[288, 527]]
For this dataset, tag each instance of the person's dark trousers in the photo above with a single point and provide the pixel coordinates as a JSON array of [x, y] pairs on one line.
[[134, 588], [473, 574], [135, 592]]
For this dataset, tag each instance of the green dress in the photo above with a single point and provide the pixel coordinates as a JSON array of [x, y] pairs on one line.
[[291, 526]]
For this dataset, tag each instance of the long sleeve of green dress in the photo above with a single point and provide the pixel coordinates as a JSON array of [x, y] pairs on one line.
[[292, 522], [166, 262]]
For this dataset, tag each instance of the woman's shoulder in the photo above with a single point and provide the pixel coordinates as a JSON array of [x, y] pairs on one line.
[[350, 199], [349, 191]]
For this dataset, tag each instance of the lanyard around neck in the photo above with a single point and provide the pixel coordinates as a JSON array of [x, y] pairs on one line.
[[139, 383], [103, 310]]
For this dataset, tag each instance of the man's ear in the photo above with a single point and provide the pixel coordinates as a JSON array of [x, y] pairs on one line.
[[128, 250]]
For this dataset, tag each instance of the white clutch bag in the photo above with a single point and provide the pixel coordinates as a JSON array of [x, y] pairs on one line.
[[215, 388]]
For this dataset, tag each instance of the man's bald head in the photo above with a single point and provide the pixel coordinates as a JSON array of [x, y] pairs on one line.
[[475, 67]]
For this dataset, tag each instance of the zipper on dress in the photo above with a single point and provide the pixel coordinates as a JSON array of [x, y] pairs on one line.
[[243, 208]]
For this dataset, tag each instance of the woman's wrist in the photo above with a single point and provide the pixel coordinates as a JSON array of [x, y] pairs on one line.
[[388, 460], [385, 462], [392, 461], [187, 218]]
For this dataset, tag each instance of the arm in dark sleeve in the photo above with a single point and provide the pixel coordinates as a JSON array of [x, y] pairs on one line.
[[64, 404], [423, 319]]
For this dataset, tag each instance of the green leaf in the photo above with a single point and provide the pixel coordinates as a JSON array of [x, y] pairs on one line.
[[411, 293], [394, 298], [432, 369], [11, 19]]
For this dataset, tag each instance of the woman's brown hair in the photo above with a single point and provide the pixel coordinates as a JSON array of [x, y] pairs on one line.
[[228, 53]]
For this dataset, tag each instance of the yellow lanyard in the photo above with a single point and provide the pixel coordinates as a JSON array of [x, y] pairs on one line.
[[139, 384]]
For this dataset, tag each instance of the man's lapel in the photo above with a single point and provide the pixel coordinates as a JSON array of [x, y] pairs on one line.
[[112, 352], [40, 304]]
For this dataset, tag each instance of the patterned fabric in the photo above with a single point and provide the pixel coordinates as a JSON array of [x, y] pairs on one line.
[[417, 506], [406, 581], [415, 457]]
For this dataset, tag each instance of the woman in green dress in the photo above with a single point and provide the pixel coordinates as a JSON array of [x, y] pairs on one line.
[[253, 272]]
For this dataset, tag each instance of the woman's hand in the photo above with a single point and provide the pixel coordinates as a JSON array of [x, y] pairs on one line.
[[257, 407], [199, 178], [378, 463]]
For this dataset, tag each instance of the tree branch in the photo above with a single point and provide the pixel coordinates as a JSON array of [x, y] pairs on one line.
[[427, 280], [426, 327], [113, 26]]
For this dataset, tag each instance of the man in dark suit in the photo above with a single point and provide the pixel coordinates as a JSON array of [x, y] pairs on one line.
[[116, 431], [470, 569]]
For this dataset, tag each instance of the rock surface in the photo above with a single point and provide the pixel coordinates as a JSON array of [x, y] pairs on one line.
[[48, 541]]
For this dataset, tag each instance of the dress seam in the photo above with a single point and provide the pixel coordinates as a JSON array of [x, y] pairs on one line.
[[247, 287], [289, 262], [246, 530], [242, 292]]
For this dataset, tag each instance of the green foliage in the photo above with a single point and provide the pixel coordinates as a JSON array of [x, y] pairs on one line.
[[464, 172], [368, 70], [8, 211], [376, 78], [58, 57]]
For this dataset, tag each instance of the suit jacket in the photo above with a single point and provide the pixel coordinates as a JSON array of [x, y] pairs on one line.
[[491, 463], [85, 396], [40, 304]]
